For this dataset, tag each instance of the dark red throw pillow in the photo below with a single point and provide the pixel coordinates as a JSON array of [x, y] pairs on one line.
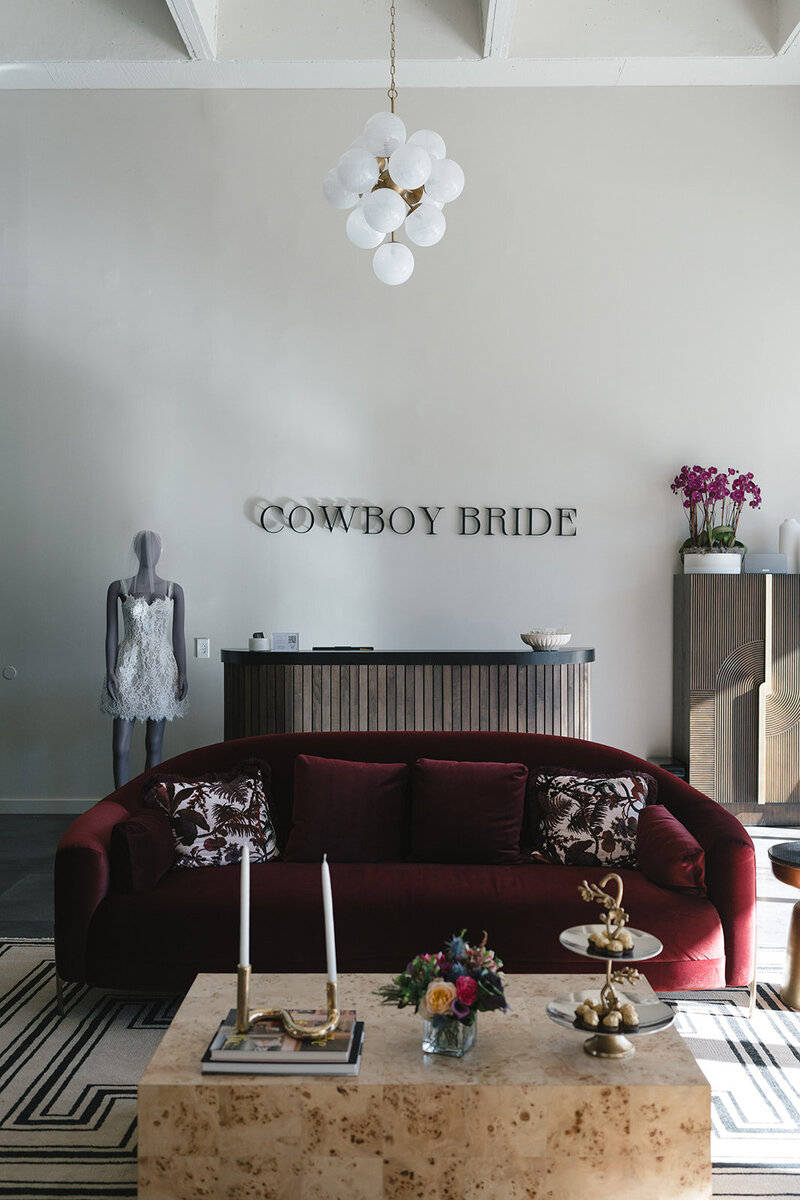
[[351, 811], [467, 812], [668, 853], [141, 851]]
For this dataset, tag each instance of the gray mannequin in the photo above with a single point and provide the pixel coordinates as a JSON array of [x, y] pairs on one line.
[[146, 670]]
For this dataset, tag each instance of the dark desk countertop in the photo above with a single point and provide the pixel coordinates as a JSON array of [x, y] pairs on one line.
[[478, 658]]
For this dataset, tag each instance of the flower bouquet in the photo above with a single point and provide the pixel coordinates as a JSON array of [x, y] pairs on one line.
[[449, 989]]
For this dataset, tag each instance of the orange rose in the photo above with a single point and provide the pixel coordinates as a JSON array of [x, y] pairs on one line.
[[440, 996]]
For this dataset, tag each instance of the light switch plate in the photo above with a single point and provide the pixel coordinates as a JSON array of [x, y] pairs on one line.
[[202, 647]]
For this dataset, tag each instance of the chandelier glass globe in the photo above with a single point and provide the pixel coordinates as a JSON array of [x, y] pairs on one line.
[[410, 166], [430, 141], [446, 181], [383, 133], [358, 170], [336, 193], [360, 233], [425, 226], [392, 182], [385, 210], [393, 263]]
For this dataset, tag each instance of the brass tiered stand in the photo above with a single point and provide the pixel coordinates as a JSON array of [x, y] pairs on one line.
[[618, 1015]]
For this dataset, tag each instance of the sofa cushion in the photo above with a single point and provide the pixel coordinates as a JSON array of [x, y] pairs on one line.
[[211, 817], [590, 819], [351, 811], [385, 914], [141, 851], [467, 812], [668, 854]]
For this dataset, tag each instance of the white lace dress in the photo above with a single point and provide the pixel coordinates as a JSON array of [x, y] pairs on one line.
[[147, 674]]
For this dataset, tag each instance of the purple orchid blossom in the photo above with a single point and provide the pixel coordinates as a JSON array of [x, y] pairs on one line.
[[714, 500]]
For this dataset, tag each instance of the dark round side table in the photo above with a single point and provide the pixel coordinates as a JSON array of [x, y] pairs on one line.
[[785, 860]]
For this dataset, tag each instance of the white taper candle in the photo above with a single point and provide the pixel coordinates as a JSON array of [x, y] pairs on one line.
[[244, 908], [327, 906]]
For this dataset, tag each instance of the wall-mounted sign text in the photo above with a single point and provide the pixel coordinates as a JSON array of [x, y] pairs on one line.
[[466, 519]]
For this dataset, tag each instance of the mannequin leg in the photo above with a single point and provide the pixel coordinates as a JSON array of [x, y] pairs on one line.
[[153, 741], [121, 744]]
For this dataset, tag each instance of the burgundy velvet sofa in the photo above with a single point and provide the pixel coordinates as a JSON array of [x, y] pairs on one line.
[[386, 912]]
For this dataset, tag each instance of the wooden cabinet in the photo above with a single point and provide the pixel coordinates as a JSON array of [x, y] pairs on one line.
[[736, 697], [534, 691]]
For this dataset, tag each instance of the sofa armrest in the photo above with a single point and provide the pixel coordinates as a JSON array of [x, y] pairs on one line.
[[730, 869], [81, 881]]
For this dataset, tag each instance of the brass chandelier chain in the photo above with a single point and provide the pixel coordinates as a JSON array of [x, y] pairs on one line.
[[392, 92]]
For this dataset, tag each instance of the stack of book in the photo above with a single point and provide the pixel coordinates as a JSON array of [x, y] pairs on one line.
[[266, 1048]]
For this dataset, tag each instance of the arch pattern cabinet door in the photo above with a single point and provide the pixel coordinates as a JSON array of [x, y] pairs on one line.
[[736, 688]]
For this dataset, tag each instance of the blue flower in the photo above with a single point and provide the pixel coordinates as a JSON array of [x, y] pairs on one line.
[[456, 948]]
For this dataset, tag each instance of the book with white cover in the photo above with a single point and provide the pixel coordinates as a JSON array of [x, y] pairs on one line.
[[268, 1040], [297, 1067]]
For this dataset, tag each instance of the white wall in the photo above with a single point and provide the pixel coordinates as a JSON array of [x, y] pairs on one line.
[[186, 329]]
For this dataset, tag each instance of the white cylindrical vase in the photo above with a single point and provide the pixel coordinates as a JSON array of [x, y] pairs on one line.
[[789, 544]]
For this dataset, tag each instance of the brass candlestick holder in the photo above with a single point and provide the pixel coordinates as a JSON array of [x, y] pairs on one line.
[[247, 1017]]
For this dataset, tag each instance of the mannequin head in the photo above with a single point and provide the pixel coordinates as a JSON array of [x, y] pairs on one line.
[[147, 547]]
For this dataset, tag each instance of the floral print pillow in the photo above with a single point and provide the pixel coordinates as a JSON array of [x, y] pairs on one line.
[[211, 818], [590, 820]]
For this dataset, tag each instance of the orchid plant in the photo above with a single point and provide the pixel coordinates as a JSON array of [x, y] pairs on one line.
[[714, 501]]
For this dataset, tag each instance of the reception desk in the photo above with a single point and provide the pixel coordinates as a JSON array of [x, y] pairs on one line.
[[534, 691]]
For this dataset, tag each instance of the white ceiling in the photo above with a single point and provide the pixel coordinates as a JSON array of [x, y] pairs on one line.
[[440, 43]]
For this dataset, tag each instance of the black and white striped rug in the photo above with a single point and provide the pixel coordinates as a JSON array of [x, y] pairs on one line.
[[68, 1084], [753, 1067]]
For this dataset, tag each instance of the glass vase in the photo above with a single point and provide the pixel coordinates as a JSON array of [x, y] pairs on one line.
[[448, 1037]]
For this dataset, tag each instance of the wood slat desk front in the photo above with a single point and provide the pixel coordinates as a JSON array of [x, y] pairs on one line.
[[525, 692]]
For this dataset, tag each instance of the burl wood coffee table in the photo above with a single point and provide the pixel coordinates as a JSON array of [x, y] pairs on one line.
[[525, 1114]]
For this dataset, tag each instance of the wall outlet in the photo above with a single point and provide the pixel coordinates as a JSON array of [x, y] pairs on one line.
[[202, 647]]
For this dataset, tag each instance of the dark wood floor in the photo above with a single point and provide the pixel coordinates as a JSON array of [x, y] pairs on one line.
[[27, 849]]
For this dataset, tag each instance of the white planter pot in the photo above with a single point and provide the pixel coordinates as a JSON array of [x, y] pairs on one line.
[[712, 562]]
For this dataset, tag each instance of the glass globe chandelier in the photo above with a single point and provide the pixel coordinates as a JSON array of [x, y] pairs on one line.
[[389, 181]]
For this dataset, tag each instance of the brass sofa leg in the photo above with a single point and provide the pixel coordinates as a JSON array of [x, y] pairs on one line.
[[754, 981], [751, 1008]]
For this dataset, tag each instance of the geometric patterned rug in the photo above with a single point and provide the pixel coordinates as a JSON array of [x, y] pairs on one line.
[[753, 1067], [68, 1084]]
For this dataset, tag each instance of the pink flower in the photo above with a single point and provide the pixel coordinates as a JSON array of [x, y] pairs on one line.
[[467, 989]]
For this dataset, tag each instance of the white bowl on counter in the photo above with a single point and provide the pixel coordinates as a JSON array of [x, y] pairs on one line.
[[546, 639]]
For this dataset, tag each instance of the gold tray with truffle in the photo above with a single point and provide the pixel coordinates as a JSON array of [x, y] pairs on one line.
[[577, 939], [653, 1014]]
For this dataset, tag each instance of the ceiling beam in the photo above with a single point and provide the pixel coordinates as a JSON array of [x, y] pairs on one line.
[[197, 24], [765, 71], [498, 19], [788, 26]]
